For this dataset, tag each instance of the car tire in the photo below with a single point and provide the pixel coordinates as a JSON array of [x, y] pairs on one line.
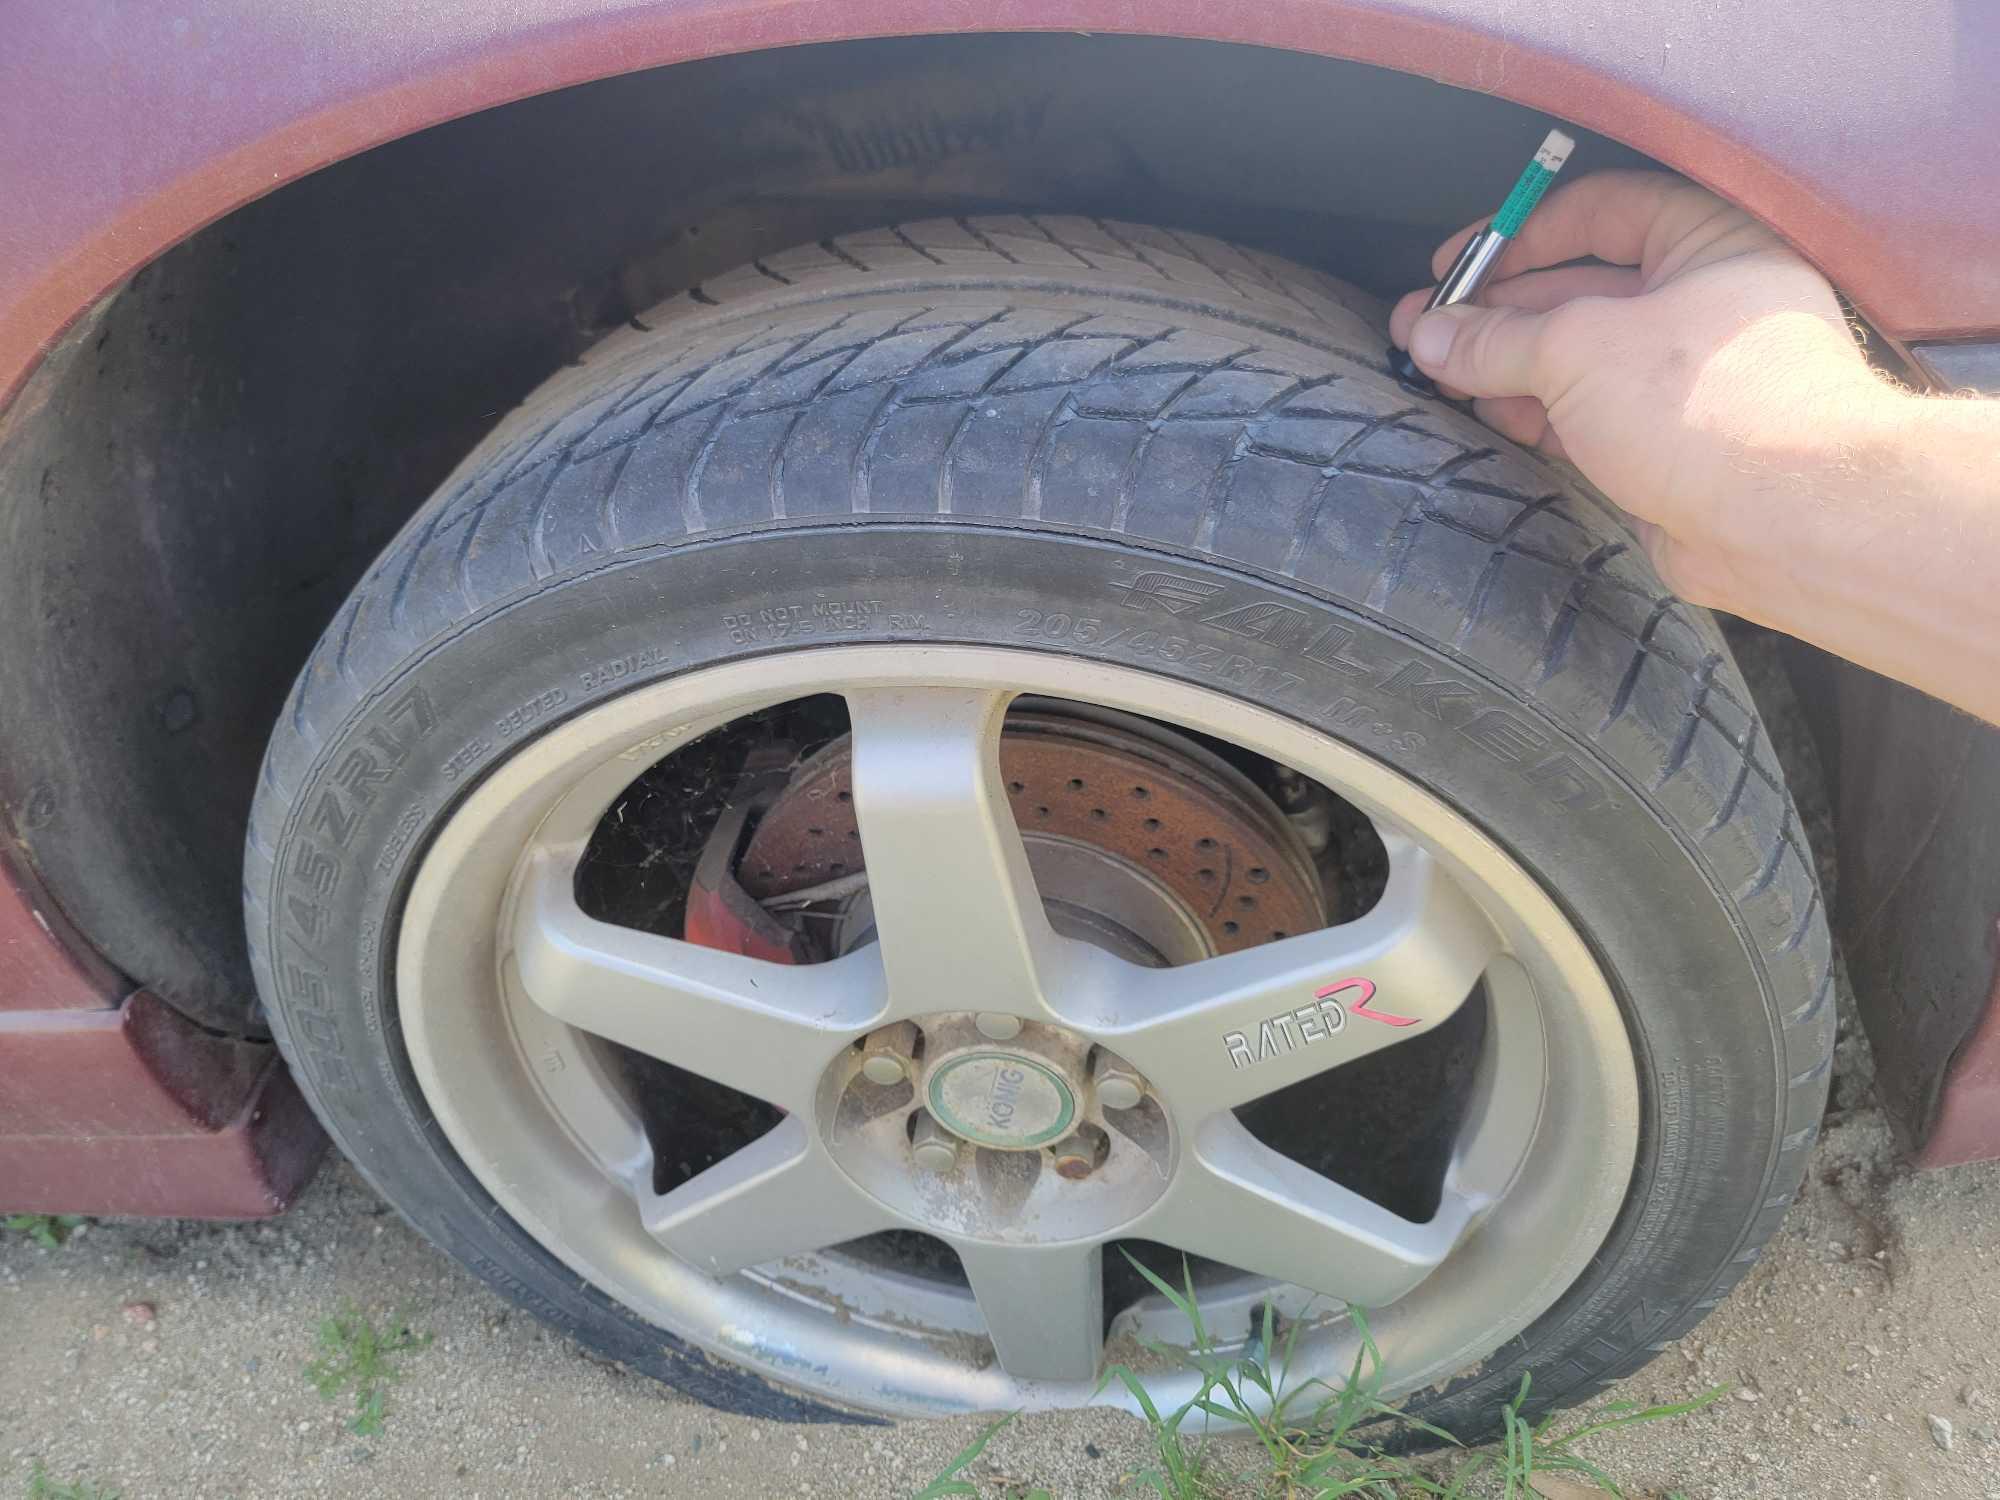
[[992, 432]]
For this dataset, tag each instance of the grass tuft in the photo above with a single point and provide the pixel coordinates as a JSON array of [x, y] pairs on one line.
[[41, 1487], [353, 1354], [950, 1480], [47, 1230], [1321, 1441]]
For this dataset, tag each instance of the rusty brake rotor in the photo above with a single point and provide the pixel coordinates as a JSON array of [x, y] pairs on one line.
[[1141, 796]]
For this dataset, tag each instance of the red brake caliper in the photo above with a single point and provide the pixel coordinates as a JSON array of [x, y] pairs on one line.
[[720, 913]]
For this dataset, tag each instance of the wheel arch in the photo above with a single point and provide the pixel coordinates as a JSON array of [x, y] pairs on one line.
[[1659, 80]]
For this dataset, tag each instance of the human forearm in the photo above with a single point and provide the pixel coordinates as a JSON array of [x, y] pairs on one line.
[[1703, 377], [1875, 537]]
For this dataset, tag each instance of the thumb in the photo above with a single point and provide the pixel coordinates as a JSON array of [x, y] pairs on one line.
[[1482, 351]]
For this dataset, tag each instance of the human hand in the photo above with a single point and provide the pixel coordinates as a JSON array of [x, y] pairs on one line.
[[1684, 374]]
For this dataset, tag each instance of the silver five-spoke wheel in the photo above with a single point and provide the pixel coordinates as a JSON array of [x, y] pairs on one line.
[[985, 1068]]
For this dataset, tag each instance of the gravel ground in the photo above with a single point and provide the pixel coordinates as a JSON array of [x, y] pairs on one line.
[[165, 1359]]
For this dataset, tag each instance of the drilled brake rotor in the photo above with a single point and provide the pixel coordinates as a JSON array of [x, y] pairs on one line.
[[1147, 799]]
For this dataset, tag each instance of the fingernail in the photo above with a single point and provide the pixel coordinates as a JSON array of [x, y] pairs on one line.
[[1430, 340]]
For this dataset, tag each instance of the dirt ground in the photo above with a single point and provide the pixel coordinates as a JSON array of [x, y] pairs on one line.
[[1876, 1309]]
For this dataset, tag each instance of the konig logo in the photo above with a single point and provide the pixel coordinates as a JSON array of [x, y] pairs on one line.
[[1005, 1099]]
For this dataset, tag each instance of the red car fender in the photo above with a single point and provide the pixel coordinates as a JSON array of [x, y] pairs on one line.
[[1868, 143]]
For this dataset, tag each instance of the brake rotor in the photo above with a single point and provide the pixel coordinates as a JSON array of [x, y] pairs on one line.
[[1143, 798]]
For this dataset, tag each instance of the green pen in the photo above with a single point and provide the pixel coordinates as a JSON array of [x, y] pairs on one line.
[[1476, 262]]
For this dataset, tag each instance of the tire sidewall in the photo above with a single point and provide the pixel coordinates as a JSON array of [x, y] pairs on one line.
[[1696, 1000]]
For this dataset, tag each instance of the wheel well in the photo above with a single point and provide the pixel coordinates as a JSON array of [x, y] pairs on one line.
[[193, 480]]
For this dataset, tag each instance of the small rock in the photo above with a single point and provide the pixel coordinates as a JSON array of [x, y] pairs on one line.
[[1975, 1398], [1940, 1432], [1747, 1393], [140, 1313], [1986, 1434]]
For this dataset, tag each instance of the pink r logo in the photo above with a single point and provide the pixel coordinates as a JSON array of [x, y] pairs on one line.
[[1360, 1007]]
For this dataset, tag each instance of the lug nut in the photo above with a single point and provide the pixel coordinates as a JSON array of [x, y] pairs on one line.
[[997, 1027], [1119, 1085], [1078, 1153], [934, 1147], [886, 1052]]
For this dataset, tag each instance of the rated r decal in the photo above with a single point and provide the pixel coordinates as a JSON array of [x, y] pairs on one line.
[[1292, 1030]]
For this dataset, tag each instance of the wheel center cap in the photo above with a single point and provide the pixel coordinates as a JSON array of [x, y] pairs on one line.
[[1002, 1099]]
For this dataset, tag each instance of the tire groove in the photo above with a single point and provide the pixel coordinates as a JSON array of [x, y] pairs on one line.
[[1121, 512], [1622, 699], [861, 477], [1557, 642], [1215, 496]]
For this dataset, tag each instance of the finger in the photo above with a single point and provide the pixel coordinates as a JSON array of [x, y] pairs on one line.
[[1482, 351], [1445, 254], [1622, 217], [1538, 291], [1521, 419], [1403, 316], [1525, 420], [1604, 214]]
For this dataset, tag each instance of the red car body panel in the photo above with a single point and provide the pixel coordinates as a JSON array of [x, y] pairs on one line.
[[111, 1103], [1865, 134], [45, 965], [133, 1110]]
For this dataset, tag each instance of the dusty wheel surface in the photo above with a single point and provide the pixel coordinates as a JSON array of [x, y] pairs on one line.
[[955, 760]]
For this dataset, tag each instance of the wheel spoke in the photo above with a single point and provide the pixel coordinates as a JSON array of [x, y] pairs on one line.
[[765, 1028], [780, 1195], [1238, 1201], [961, 924], [1219, 1033], [1043, 1305]]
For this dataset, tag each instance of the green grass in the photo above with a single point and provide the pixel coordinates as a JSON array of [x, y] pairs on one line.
[[1313, 1440], [47, 1230], [41, 1487], [355, 1355]]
